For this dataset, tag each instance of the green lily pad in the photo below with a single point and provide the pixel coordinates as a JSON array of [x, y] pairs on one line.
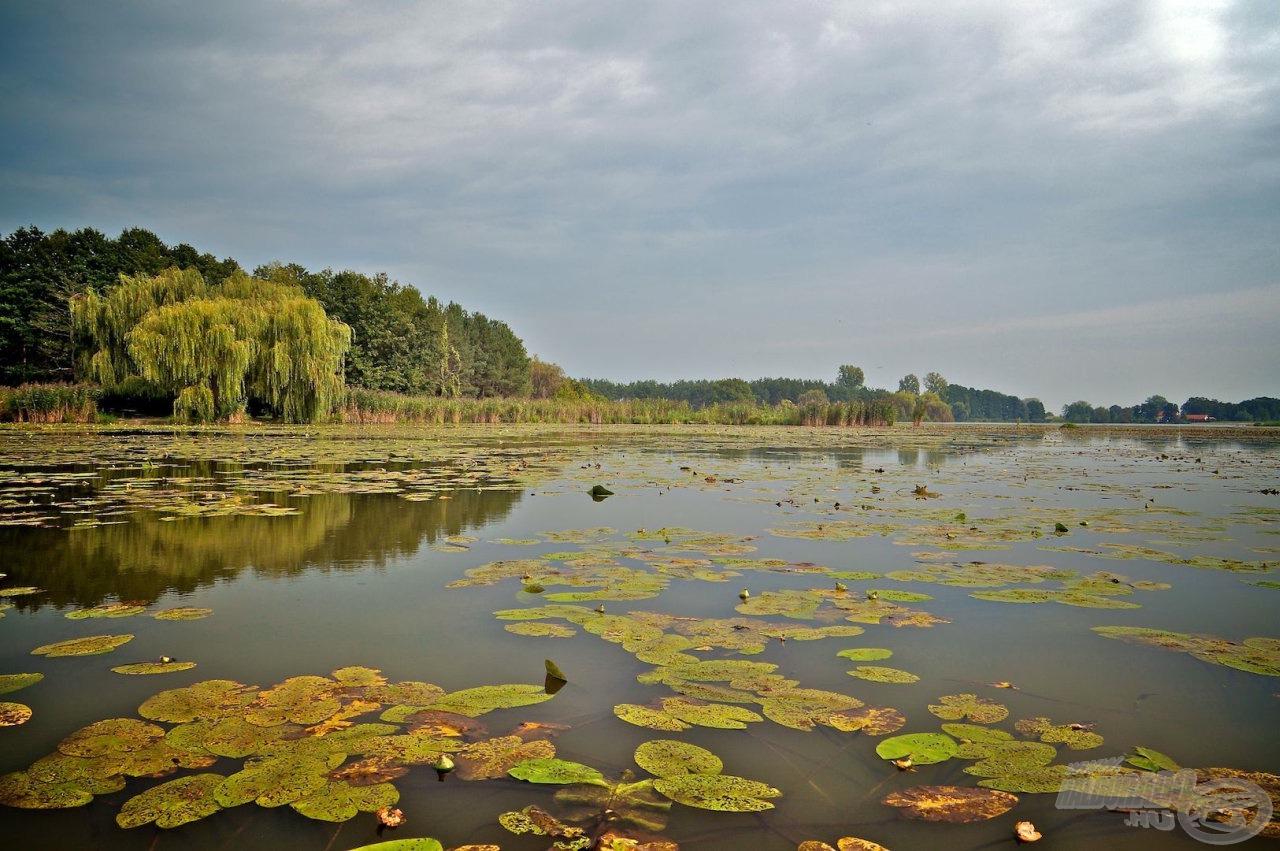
[[111, 736], [1253, 655], [950, 804], [723, 792], [879, 674], [107, 610], [14, 714], [19, 789], [482, 699], [1152, 760], [557, 771], [649, 717], [1075, 736], [865, 654], [13, 682], [541, 630], [274, 781], [171, 804], [920, 748], [358, 676], [702, 714], [980, 710], [415, 844], [93, 645], [669, 758], [182, 613], [153, 668], [301, 700], [20, 592], [210, 699], [236, 738], [895, 596], [338, 802], [801, 708]]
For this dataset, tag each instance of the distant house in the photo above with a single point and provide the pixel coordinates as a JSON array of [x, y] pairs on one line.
[[1198, 418]]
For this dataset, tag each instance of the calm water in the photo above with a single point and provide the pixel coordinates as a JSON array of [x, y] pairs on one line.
[[379, 523]]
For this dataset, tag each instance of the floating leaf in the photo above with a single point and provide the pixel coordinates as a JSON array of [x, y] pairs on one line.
[[722, 792], [154, 668], [872, 720], [718, 715], [920, 748], [171, 804], [980, 710], [20, 592], [204, 700], [542, 630], [670, 758], [556, 771], [482, 699], [951, 804], [648, 716], [358, 676], [107, 610], [879, 674], [415, 844], [865, 654], [1075, 736], [553, 671], [338, 802], [19, 789], [495, 757], [111, 736], [302, 700], [182, 613], [13, 682], [14, 714], [93, 645], [274, 781], [1254, 655], [625, 803], [1152, 760]]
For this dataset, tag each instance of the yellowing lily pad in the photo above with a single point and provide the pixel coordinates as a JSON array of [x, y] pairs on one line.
[[671, 758], [880, 674], [495, 757], [19, 789], [14, 714], [153, 668], [723, 792], [980, 710], [338, 802], [111, 736], [171, 804], [183, 613], [951, 804], [107, 610], [13, 682], [93, 645]]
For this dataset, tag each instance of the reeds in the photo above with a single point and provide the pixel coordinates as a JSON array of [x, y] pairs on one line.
[[49, 403], [375, 406]]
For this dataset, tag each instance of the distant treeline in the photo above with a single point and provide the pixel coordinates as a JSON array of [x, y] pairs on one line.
[[399, 341], [1158, 409]]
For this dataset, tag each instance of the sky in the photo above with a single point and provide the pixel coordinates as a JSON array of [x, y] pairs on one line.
[[1065, 199]]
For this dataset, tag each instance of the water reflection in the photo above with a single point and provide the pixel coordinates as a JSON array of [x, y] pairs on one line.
[[146, 557]]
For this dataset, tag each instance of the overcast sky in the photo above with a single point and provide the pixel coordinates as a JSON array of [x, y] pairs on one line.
[[1058, 199]]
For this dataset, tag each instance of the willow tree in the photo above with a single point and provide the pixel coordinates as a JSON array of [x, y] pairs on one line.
[[216, 348]]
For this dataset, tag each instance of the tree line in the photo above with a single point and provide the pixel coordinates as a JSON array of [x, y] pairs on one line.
[[1158, 409], [397, 340]]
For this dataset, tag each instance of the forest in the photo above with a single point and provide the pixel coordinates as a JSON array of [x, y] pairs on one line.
[[135, 326]]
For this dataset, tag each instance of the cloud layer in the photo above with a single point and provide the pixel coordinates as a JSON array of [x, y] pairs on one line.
[[1059, 199]]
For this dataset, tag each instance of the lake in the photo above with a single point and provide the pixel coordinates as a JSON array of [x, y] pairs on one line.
[[368, 600]]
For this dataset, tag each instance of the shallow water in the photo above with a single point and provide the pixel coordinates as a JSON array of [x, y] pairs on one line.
[[364, 529]]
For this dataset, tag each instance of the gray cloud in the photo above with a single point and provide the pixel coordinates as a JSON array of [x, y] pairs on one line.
[[698, 189]]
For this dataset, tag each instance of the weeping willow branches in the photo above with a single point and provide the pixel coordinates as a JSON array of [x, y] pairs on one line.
[[216, 348]]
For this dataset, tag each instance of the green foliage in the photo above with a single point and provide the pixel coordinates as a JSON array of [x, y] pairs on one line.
[[216, 349], [49, 403]]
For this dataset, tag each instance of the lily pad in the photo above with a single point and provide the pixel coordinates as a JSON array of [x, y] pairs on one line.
[[557, 771], [951, 804], [274, 781], [865, 654], [649, 717], [182, 613], [14, 714], [204, 700], [920, 748], [625, 803], [703, 714], [723, 792], [111, 736], [13, 682], [495, 757], [482, 699], [153, 668], [979, 710], [107, 610], [541, 630], [879, 674], [301, 700], [19, 789], [1152, 760], [338, 802], [670, 758], [93, 645], [1075, 736], [872, 720], [171, 804]]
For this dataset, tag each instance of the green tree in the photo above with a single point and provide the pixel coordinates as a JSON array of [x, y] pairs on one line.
[[909, 383], [851, 378], [215, 348], [1079, 411], [934, 383], [812, 398]]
